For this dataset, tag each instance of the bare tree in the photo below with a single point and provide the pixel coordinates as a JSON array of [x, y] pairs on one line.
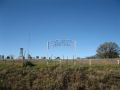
[[108, 50]]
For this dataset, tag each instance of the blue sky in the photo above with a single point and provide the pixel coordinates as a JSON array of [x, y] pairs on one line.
[[31, 23]]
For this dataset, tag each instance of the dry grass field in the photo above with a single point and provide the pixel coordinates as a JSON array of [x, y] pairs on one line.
[[60, 75]]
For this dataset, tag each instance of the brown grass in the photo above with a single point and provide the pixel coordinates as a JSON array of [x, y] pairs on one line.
[[101, 75]]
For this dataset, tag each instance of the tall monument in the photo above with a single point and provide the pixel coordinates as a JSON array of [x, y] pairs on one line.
[[21, 56]]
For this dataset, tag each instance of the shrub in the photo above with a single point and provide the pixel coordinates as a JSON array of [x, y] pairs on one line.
[[28, 64]]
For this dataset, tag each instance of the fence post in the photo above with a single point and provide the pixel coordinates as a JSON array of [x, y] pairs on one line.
[[60, 61], [74, 62], [63, 57], [90, 62], [47, 63], [118, 62]]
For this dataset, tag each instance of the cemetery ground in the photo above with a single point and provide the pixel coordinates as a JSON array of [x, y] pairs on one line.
[[60, 75]]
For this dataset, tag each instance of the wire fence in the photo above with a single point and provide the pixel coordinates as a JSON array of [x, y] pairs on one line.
[[77, 62]]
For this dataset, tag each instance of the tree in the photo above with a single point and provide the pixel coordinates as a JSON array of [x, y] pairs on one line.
[[57, 57], [43, 58], [108, 50], [8, 57], [91, 57]]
